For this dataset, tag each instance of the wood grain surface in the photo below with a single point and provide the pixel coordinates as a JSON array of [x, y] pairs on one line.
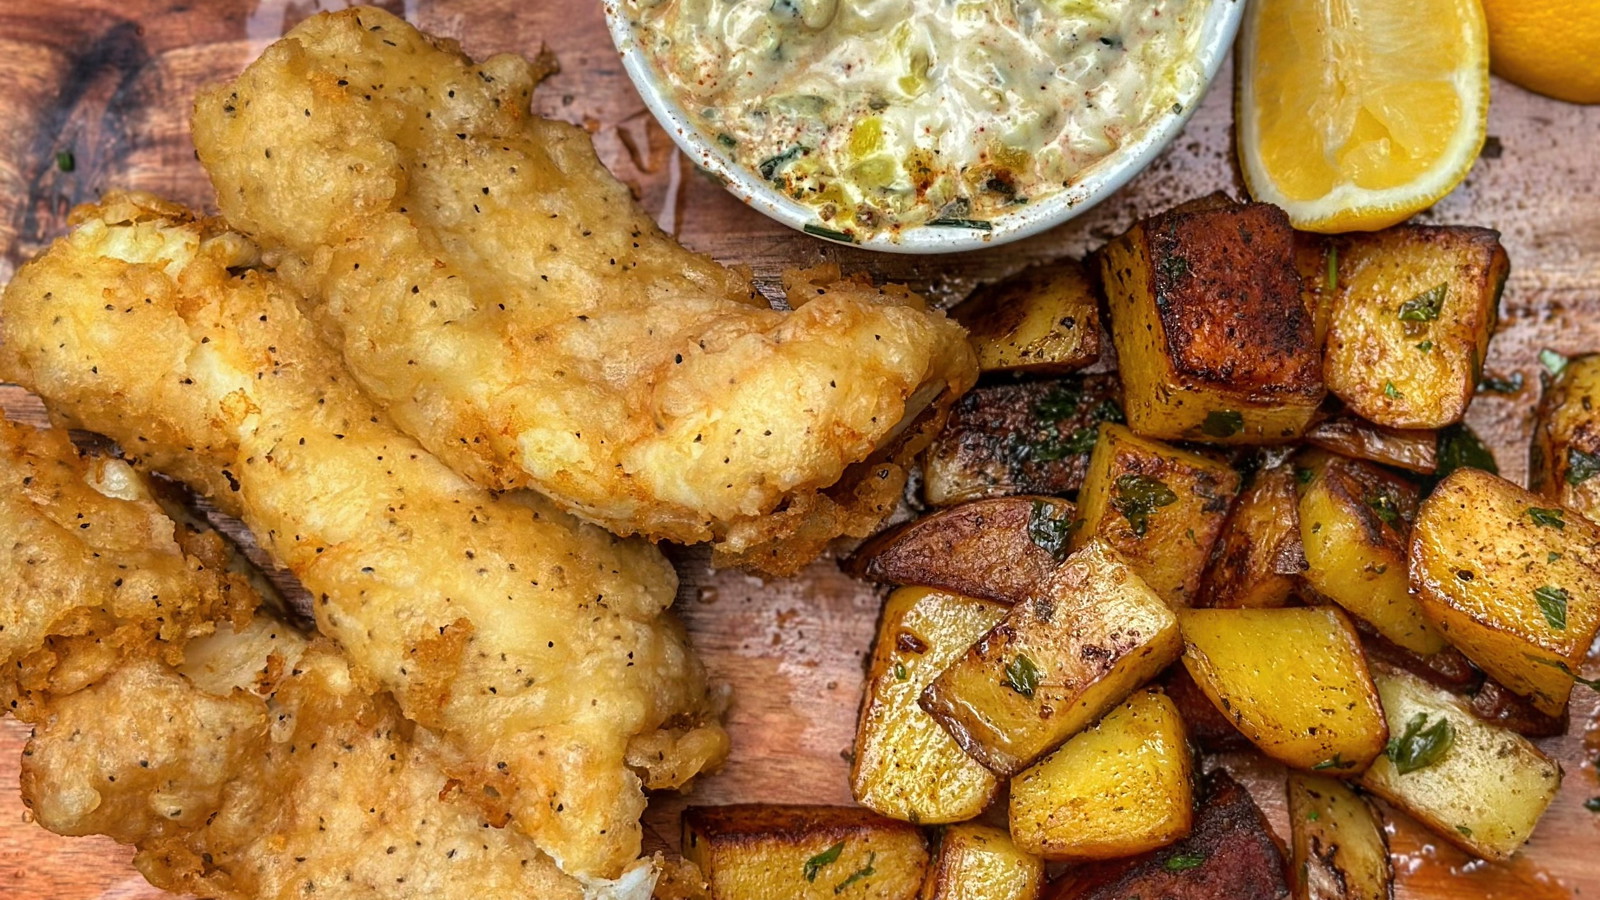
[[111, 82]]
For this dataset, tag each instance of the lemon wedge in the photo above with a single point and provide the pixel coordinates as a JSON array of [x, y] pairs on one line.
[[1549, 46], [1354, 114]]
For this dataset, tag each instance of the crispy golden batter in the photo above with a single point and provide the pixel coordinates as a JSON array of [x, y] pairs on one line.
[[513, 308], [92, 572], [537, 648], [242, 764], [320, 788]]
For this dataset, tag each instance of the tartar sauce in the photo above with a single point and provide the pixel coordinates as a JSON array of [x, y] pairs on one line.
[[887, 114]]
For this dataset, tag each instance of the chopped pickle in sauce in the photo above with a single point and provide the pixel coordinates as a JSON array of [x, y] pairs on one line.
[[916, 112]]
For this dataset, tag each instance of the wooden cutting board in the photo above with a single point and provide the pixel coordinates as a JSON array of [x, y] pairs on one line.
[[110, 84]]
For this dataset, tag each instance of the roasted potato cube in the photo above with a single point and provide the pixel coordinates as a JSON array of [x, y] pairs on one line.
[[1089, 636], [906, 766], [1565, 457], [1510, 582], [1230, 855], [1339, 850], [1208, 728], [1160, 507], [1494, 704], [1211, 332], [1417, 451], [1316, 258], [760, 851], [999, 549], [1259, 543], [1294, 681], [1354, 522], [977, 862], [1075, 803], [1031, 438], [1450, 669], [1481, 787], [1411, 321], [1045, 320]]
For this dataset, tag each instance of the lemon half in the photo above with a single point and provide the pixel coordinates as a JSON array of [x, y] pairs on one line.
[[1354, 114]]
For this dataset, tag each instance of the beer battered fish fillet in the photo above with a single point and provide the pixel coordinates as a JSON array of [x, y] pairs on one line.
[[537, 648], [514, 309], [316, 790], [240, 759], [84, 551]]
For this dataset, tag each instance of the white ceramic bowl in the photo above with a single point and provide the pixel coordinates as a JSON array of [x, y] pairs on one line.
[[1097, 182]]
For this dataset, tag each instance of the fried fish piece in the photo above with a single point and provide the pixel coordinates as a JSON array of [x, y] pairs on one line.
[[93, 571], [512, 307], [241, 759], [536, 647], [319, 789]]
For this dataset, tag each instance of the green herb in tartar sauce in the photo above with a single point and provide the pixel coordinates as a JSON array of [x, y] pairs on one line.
[[887, 114]]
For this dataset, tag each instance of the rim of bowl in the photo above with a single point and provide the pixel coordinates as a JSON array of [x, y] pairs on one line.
[[1103, 178]]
